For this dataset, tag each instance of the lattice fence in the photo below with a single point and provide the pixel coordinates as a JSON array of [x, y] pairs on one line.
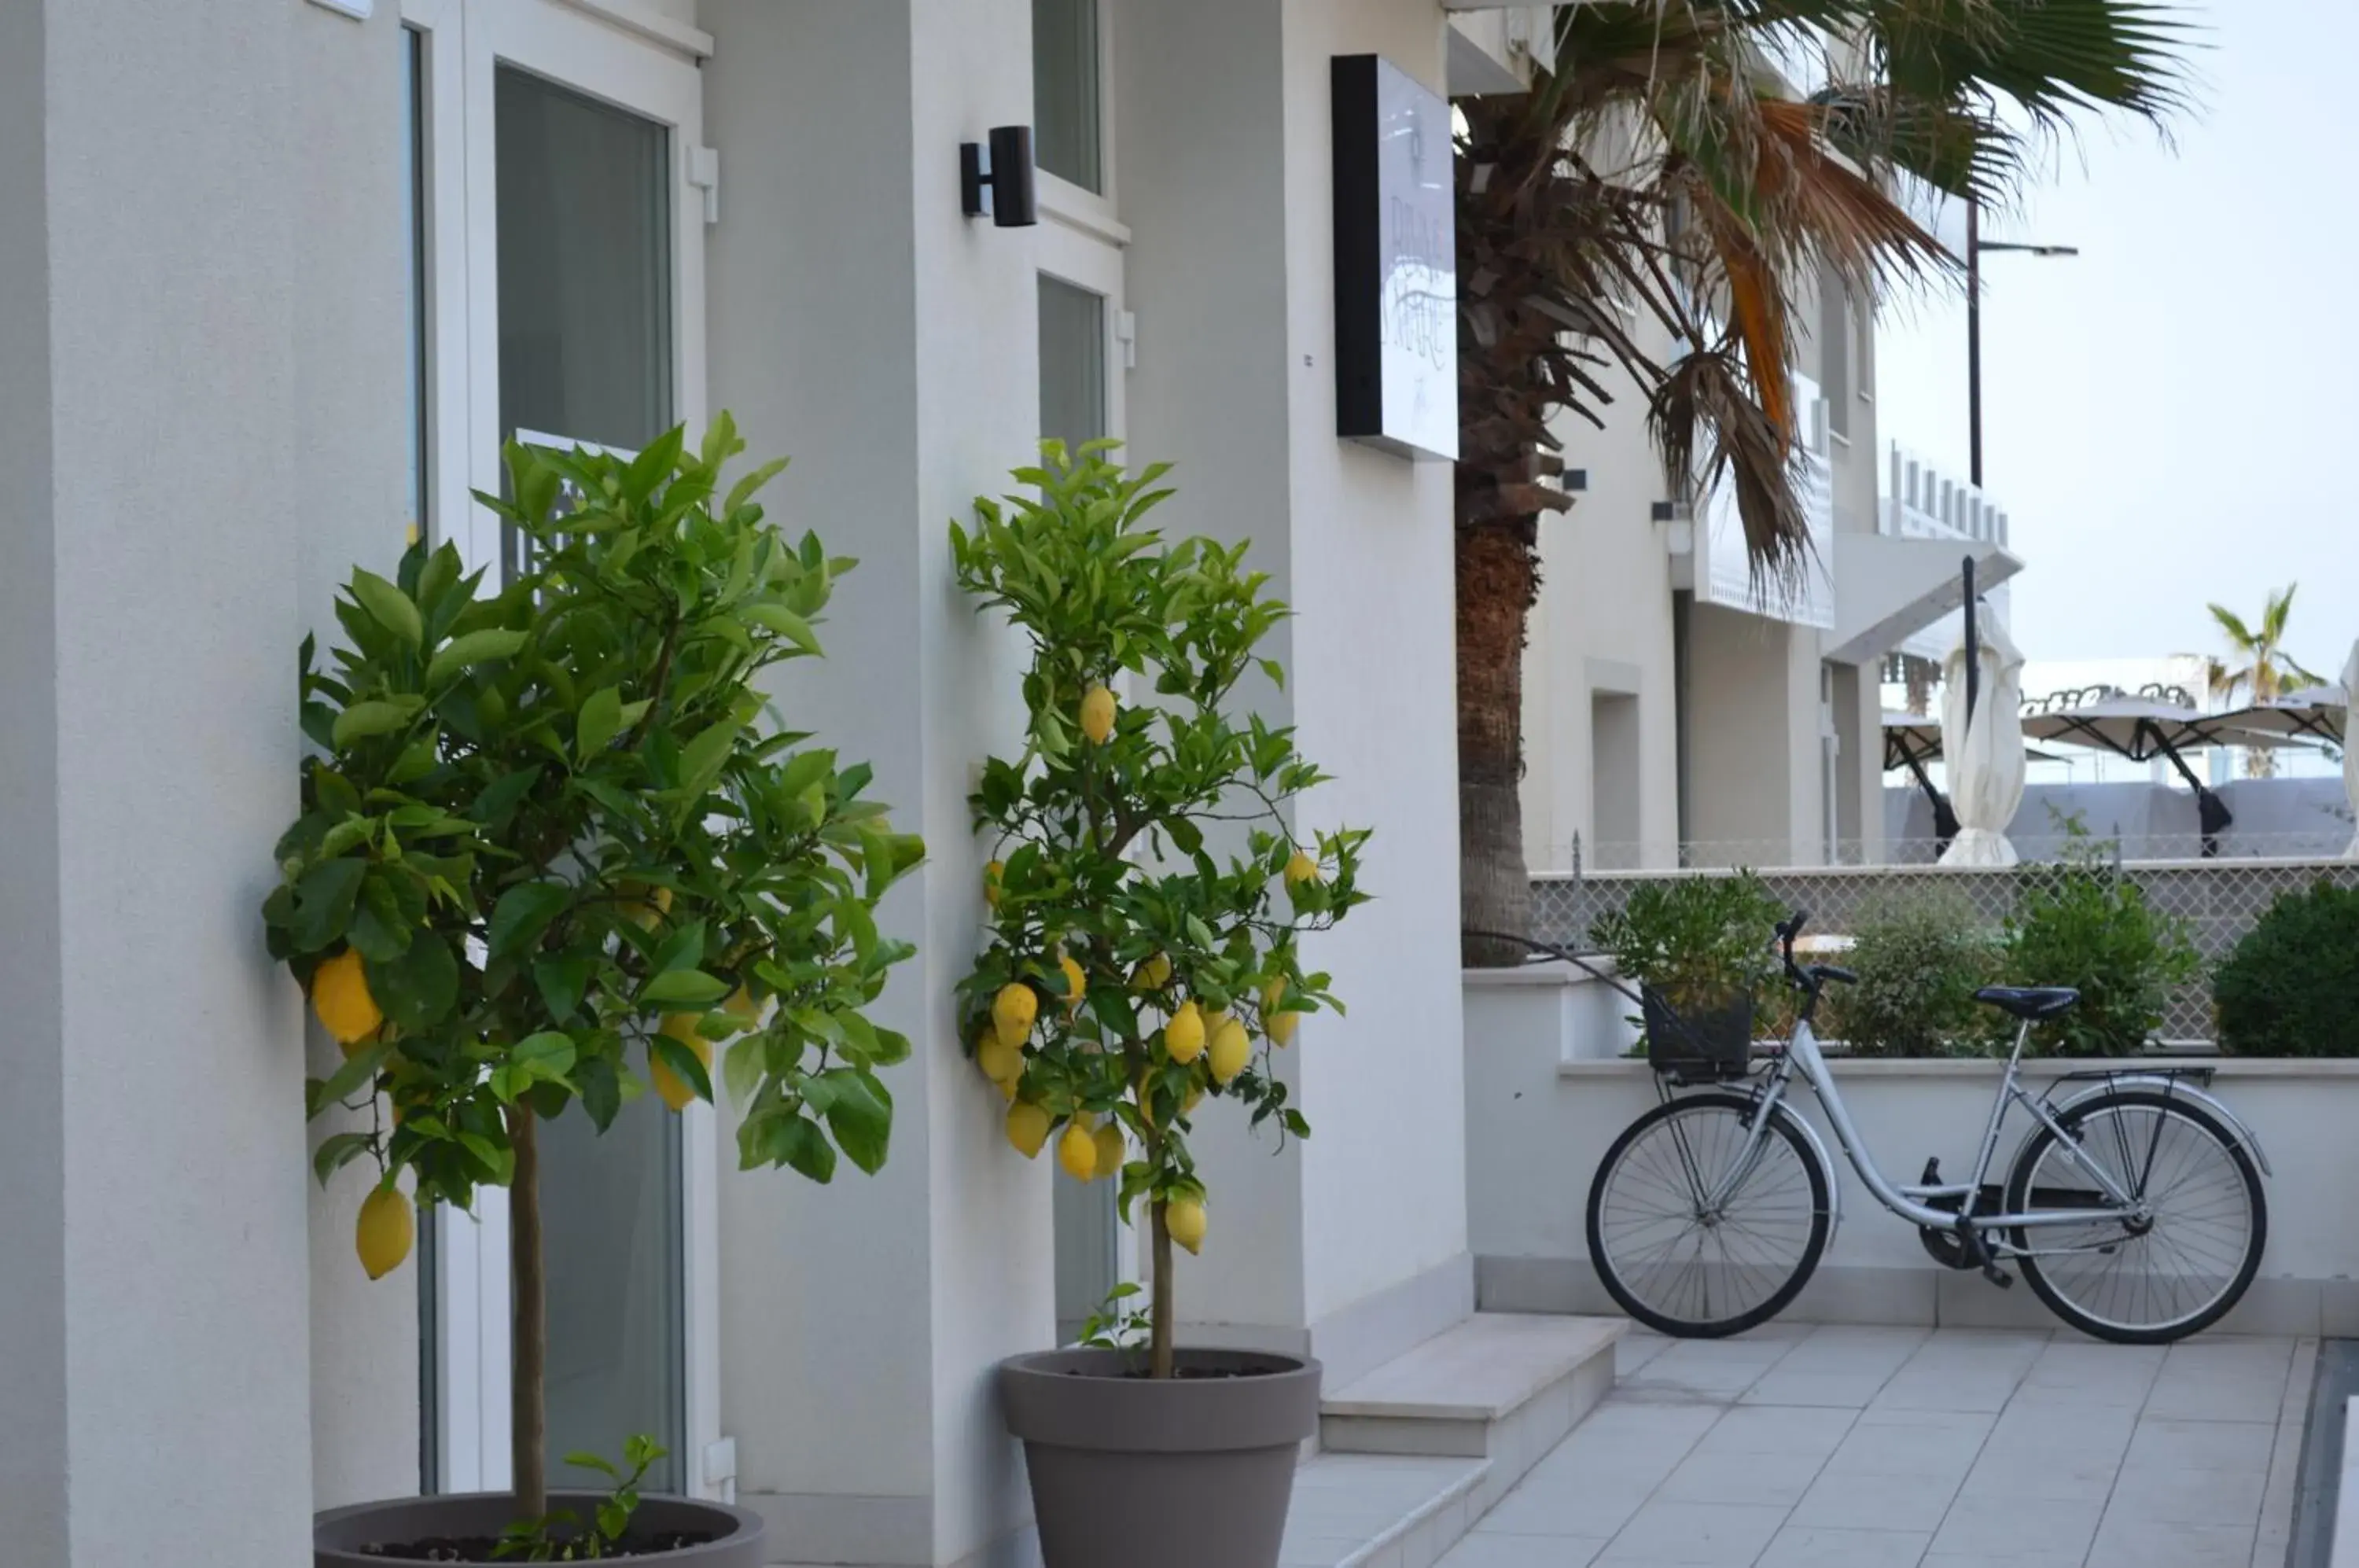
[[2218, 899]]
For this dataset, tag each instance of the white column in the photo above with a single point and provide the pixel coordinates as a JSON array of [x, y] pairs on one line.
[[154, 269], [863, 325]]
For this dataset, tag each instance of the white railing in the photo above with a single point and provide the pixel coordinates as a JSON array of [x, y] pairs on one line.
[[1921, 502], [1724, 573]]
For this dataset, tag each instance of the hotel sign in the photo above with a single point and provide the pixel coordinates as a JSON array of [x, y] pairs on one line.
[[1396, 262]]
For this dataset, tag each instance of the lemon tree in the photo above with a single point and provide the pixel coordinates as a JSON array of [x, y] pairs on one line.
[[1148, 887], [551, 853]]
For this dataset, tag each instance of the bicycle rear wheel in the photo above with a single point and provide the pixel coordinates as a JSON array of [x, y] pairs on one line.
[[2149, 1278], [1693, 1236]]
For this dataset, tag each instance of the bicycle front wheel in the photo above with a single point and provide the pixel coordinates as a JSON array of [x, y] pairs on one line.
[[2180, 1255], [1700, 1229]]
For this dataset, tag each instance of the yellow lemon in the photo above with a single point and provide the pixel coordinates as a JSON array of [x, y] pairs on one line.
[[1183, 1037], [675, 1089], [1231, 1050], [1278, 1026], [645, 913], [991, 875], [1195, 1097], [1001, 1063], [1151, 976], [1112, 1150], [1077, 1151], [1302, 869], [1012, 1012], [1028, 1127], [1097, 715], [1077, 985], [1185, 1220], [384, 1232], [740, 1005], [340, 995]]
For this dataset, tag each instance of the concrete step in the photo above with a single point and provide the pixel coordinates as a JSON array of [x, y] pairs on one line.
[[1500, 1387], [1364, 1510]]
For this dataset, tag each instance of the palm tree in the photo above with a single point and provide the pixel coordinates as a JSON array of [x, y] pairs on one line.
[[1662, 186], [2268, 671]]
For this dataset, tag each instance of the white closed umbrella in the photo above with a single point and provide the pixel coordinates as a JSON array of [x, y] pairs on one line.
[[1987, 753], [2350, 755]]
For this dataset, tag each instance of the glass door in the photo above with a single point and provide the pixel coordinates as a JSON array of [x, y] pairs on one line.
[[573, 253]]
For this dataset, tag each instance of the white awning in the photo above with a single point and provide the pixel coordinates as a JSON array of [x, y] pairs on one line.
[[1888, 587]]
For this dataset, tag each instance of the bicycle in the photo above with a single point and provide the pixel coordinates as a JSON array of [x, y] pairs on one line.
[[2133, 1206]]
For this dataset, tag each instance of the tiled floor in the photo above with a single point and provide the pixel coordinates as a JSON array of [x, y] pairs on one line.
[[1802, 1447]]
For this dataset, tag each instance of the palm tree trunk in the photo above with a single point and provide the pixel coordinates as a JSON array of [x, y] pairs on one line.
[[528, 1443], [1498, 580]]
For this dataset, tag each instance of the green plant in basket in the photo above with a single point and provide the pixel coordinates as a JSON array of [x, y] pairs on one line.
[[1149, 884], [549, 855], [1702, 942]]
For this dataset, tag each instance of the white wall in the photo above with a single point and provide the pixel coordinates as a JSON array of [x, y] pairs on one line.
[[1537, 1125], [863, 325], [160, 385]]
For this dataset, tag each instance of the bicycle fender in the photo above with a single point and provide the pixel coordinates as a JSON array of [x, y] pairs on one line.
[[2176, 1088], [1818, 1151]]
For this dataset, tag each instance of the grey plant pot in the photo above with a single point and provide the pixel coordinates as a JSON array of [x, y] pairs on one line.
[[1186, 1472], [338, 1535]]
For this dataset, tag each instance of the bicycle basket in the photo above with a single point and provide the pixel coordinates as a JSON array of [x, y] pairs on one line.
[[1702, 1047]]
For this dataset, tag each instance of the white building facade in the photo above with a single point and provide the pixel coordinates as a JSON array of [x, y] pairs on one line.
[[275, 285], [1678, 712]]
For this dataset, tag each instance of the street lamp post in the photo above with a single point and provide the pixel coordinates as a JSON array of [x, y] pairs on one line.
[[1975, 245]]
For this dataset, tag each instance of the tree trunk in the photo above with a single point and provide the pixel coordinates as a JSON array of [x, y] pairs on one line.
[[1159, 1352], [1498, 580], [528, 1440]]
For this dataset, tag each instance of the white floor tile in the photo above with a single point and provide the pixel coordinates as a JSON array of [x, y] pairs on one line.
[[1704, 1535], [1798, 1546]]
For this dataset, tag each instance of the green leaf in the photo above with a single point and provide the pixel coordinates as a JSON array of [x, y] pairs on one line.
[[785, 623], [582, 1460], [524, 912], [418, 988], [798, 1144], [363, 719], [379, 929], [741, 1067], [601, 1088], [601, 722], [498, 799], [474, 647], [324, 902], [336, 1152], [389, 607], [683, 1064], [683, 987], [562, 980], [546, 1057], [358, 1070], [861, 1117]]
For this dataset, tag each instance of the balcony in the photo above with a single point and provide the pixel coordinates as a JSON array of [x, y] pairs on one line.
[[1709, 555], [1900, 588]]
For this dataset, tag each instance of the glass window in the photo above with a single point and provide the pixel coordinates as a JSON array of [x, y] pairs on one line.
[[584, 268], [1072, 362], [1067, 112], [585, 314]]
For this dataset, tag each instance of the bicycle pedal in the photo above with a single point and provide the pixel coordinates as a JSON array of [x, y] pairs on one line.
[[1998, 1276]]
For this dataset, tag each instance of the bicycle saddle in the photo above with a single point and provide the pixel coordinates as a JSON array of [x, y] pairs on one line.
[[2028, 1001]]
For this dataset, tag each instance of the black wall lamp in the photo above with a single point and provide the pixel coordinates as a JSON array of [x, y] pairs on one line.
[[1014, 204]]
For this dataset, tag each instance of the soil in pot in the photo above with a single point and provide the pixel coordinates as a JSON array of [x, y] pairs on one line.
[[485, 1549]]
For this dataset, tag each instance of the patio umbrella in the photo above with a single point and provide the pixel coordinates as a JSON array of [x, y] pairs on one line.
[[1984, 748], [2144, 727]]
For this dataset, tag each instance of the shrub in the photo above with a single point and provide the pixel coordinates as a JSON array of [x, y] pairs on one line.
[[2079, 924], [1152, 877], [1697, 940], [1919, 962], [2291, 986]]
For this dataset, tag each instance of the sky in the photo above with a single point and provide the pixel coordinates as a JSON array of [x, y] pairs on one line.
[[2168, 416]]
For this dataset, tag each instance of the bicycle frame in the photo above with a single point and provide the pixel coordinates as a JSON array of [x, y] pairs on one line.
[[1914, 1203]]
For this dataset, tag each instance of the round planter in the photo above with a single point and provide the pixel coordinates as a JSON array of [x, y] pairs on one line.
[[1185, 1473], [338, 1535]]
